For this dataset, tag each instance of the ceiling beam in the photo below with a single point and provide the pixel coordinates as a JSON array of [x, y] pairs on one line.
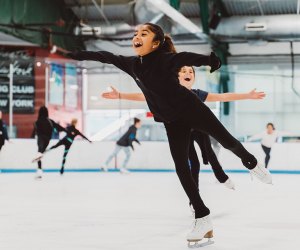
[[260, 7], [99, 9]]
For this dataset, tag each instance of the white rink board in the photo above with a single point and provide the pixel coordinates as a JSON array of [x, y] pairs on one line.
[[150, 155]]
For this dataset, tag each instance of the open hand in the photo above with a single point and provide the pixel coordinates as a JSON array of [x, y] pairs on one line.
[[253, 94], [113, 94]]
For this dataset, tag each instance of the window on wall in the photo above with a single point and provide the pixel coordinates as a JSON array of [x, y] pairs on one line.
[[56, 84], [281, 105], [71, 86]]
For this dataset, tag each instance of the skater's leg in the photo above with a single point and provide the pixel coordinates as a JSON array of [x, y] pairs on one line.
[[179, 137], [203, 119], [127, 157], [59, 143], [43, 143], [67, 148], [114, 154], [39, 164], [213, 160], [267, 152], [194, 162]]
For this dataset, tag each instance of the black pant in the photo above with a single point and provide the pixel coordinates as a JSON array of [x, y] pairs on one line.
[[43, 142], [267, 152], [2, 141], [200, 117], [208, 156], [64, 142]]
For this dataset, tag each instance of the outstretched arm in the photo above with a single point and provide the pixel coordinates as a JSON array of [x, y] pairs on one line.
[[115, 94], [83, 136], [227, 97], [181, 59], [122, 62], [58, 127]]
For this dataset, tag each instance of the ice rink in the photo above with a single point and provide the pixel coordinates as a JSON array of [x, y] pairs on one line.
[[110, 211]]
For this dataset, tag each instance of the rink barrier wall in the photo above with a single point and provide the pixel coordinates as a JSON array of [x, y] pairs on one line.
[[94, 170], [148, 157]]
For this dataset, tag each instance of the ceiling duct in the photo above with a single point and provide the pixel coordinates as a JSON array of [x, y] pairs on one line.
[[104, 30], [270, 28]]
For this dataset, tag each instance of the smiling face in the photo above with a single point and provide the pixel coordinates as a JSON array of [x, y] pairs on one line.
[[142, 41], [186, 77]]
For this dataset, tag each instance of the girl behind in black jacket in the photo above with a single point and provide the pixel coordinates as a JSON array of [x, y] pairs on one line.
[[43, 128], [155, 72]]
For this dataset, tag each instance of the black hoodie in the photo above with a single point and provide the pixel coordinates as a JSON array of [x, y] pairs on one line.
[[157, 76]]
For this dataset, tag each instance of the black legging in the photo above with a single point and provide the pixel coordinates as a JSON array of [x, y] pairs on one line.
[[200, 117], [208, 156], [267, 152], [43, 142], [65, 142]]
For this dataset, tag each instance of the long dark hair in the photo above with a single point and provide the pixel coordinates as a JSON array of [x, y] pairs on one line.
[[165, 41], [43, 112]]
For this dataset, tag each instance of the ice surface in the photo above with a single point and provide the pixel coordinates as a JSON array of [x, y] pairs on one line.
[[139, 211]]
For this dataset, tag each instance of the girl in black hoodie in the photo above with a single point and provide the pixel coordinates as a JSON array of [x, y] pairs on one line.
[[43, 128], [154, 69]]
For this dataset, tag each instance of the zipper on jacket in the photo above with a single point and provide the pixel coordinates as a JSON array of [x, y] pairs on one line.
[[141, 59]]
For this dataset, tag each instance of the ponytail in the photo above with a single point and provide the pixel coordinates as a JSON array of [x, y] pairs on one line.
[[165, 41], [168, 45]]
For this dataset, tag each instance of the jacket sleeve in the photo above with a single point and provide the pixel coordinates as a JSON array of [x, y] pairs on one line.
[[136, 140], [122, 62], [83, 136], [192, 59], [58, 127]]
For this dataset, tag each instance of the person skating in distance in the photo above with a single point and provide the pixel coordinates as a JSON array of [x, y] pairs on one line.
[[125, 143], [67, 142]]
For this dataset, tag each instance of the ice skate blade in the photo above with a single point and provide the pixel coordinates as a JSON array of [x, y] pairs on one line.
[[195, 244]]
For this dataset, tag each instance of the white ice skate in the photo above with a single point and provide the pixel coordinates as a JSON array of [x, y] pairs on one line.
[[39, 174], [202, 229], [124, 171], [229, 184], [261, 173], [38, 157]]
